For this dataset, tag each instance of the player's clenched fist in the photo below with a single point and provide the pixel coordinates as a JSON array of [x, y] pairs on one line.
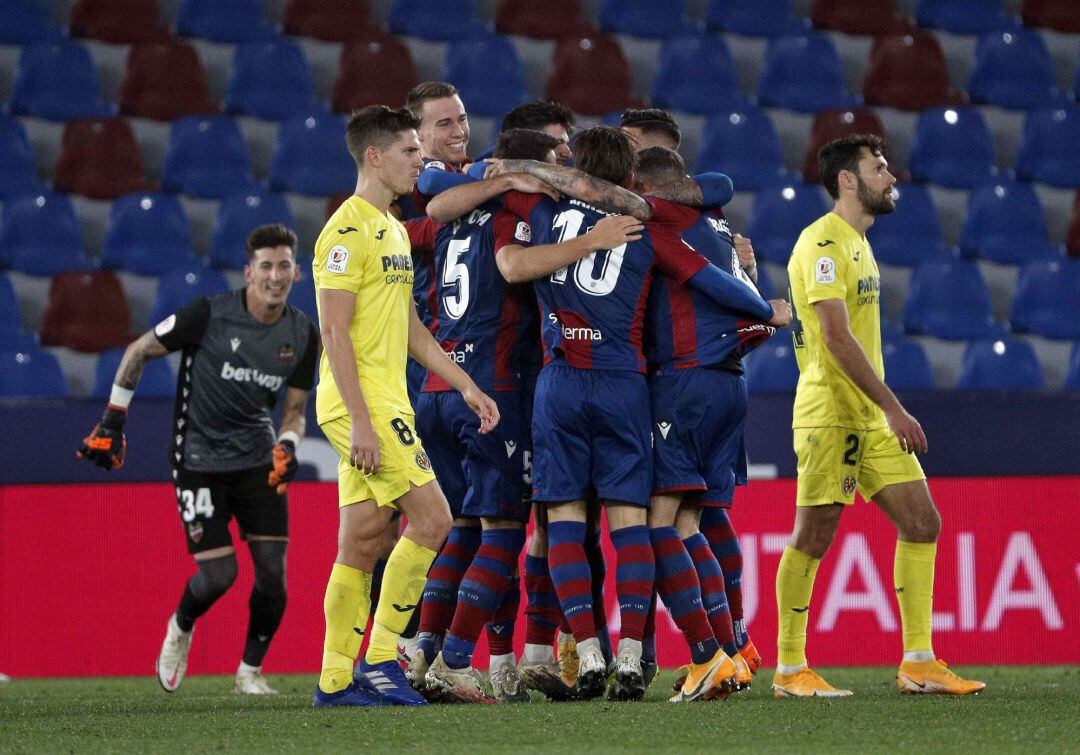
[[745, 251], [613, 230], [106, 445], [285, 465], [781, 313]]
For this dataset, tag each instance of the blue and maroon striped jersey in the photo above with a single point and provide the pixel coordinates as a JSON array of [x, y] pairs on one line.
[[423, 264]]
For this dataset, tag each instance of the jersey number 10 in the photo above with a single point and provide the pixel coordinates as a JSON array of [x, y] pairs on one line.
[[585, 269]]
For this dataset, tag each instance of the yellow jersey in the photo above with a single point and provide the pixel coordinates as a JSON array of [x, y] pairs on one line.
[[368, 253], [831, 260]]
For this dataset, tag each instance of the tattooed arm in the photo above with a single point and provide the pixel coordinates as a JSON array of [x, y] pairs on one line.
[[135, 357], [575, 183], [292, 412]]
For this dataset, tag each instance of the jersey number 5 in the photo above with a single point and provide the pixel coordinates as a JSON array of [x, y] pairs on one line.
[[585, 276], [455, 277]]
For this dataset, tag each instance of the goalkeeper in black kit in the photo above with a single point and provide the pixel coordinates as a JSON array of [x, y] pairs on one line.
[[238, 351]]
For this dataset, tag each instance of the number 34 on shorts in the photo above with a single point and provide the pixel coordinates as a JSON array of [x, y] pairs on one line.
[[834, 462]]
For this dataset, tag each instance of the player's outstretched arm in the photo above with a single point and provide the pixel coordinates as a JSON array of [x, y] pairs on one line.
[[451, 204], [525, 263], [849, 354], [575, 183]]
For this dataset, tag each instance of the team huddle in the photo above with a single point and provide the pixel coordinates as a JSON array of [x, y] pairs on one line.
[[576, 311]]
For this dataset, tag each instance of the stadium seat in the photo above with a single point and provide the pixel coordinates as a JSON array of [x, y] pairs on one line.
[[439, 20], [832, 124], [31, 374], [354, 88], [754, 18], [1046, 299], [1072, 375], [231, 22], [1005, 224], [1013, 69], [488, 71], [178, 287], [744, 145], [772, 367], [963, 16], [57, 82], [14, 338], [39, 235], [909, 72], [779, 214], [911, 234], [24, 22], [858, 17], [328, 20], [311, 157], [157, 381], [1049, 150], [270, 80], [1072, 233], [238, 216], [207, 158], [1002, 364], [18, 173], [907, 367], [591, 76], [86, 311], [765, 286], [949, 299], [696, 74], [130, 22], [165, 81], [541, 19], [10, 314], [645, 18], [302, 295], [99, 159], [147, 234], [803, 73], [952, 148], [1058, 15]]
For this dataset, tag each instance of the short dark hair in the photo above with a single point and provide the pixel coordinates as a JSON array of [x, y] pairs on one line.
[[273, 235], [660, 166], [537, 114], [376, 126], [843, 154], [524, 144], [652, 120], [425, 91], [605, 152]]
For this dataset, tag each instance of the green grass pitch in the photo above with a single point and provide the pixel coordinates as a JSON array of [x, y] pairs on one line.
[[1029, 709]]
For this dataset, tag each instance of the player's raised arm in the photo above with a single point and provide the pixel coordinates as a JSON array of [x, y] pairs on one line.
[[576, 183], [451, 204]]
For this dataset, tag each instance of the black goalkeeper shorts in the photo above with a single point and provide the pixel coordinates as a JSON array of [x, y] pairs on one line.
[[208, 500]]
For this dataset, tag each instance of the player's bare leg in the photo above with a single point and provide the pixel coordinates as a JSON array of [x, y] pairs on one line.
[[635, 574]]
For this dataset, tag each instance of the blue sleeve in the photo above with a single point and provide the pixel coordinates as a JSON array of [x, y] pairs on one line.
[[477, 170], [433, 181], [726, 290], [716, 189]]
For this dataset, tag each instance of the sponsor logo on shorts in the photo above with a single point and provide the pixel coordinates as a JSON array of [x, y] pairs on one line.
[[422, 461], [511, 446], [665, 428], [195, 531], [338, 259], [849, 486], [825, 270], [286, 354]]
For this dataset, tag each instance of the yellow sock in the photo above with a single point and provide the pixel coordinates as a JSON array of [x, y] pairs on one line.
[[794, 586], [347, 605], [913, 577], [402, 585]]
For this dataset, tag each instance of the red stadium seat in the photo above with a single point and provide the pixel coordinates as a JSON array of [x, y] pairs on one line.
[[165, 81], [862, 17], [328, 20], [1072, 236], [909, 72], [100, 159], [355, 87], [86, 311], [591, 76], [1059, 15], [541, 19], [335, 201], [130, 22], [831, 124]]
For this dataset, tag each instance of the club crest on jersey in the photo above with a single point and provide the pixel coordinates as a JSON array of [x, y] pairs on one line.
[[825, 270], [849, 486], [286, 354], [523, 232], [195, 531], [436, 164], [337, 260], [422, 461]]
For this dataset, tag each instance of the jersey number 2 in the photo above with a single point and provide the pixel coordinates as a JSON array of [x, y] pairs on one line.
[[569, 222]]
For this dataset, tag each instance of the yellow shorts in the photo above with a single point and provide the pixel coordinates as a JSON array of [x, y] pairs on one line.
[[834, 462], [404, 460]]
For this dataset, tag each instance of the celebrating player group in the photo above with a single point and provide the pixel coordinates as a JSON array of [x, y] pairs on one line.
[[555, 332]]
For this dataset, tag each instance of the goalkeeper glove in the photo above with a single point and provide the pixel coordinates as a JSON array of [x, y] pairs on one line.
[[106, 445], [285, 465]]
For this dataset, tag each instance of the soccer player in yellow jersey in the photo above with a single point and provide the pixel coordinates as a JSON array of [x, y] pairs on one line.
[[851, 432], [363, 274]]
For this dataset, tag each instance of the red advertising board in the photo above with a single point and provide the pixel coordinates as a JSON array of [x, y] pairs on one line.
[[90, 573]]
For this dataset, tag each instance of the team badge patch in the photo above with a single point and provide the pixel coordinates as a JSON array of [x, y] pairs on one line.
[[825, 270], [849, 486], [436, 165], [422, 461], [165, 326], [195, 531], [523, 232], [286, 354], [337, 260]]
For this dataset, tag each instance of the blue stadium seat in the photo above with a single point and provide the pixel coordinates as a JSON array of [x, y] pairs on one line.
[[487, 70], [952, 148], [742, 143], [440, 20], [311, 157], [58, 82], [765, 286], [1049, 150], [270, 80], [754, 18], [1046, 299], [147, 234], [10, 314], [24, 22], [14, 338], [804, 73], [772, 367], [1072, 375], [207, 158], [1005, 224], [18, 173], [39, 235], [645, 18], [907, 367], [949, 300], [1013, 69], [238, 216], [32, 373], [177, 287], [779, 215], [232, 21], [157, 381], [911, 233], [1002, 364], [696, 75], [963, 16], [302, 295]]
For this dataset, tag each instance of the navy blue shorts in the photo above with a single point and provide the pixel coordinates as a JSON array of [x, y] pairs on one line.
[[698, 419], [481, 475], [591, 436]]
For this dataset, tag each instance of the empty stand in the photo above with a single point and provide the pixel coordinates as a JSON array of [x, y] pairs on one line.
[[238, 216], [999, 365], [302, 295], [99, 159], [18, 174], [949, 299], [963, 16], [772, 367], [270, 80], [355, 88], [165, 81], [207, 157], [130, 22], [1059, 15], [1047, 298], [157, 380], [744, 145], [311, 157], [24, 22], [232, 21], [911, 234], [541, 19], [859, 17], [441, 20], [39, 235], [952, 148], [779, 215], [57, 82], [147, 234], [909, 72], [754, 18], [1072, 376], [907, 367], [645, 18], [591, 76], [10, 314], [328, 20], [31, 373], [178, 287], [1013, 69], [1049, 149], [803, 73], [695, 74], [86, 311], [832, 124], [488, 71], [1005, 224]]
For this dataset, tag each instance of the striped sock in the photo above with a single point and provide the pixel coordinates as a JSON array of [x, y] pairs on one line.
[[713, 595], [500, 630], [677, 583], [570, 573], [648, 644], [716, 526], [542, 611], [594, 552], [635, 573], [440, 592]]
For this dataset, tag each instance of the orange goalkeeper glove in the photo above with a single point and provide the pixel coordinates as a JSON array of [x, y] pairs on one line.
[[106, 445], [285, 465]]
